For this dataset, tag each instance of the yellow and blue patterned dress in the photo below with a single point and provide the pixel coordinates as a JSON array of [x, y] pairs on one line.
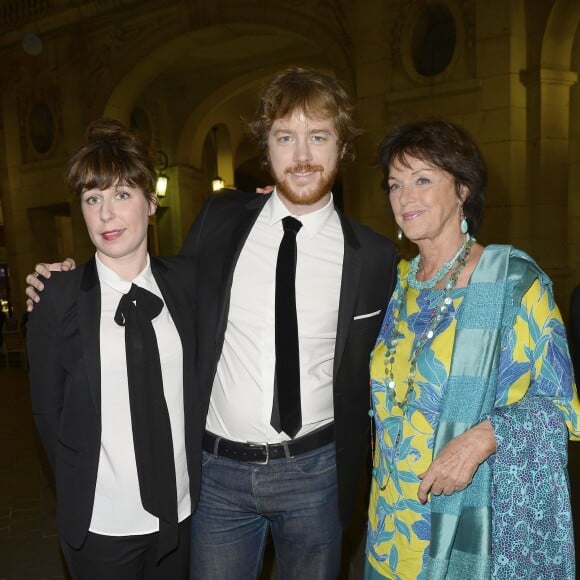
[[535, 352]]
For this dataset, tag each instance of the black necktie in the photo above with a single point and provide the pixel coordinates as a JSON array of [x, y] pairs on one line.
[[286, 409], [149, 416]]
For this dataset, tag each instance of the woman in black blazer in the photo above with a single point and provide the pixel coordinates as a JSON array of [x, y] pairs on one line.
[[110, 349]]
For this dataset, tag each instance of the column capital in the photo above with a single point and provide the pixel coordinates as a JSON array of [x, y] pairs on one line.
[[553, 76]]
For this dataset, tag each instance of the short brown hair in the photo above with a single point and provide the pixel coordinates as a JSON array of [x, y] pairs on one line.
[[446, 146], [112, 154], [311, 92]]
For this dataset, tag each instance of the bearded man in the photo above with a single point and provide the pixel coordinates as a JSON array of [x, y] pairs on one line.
[[300, 480]]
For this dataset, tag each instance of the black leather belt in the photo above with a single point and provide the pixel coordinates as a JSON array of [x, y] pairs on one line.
[[262, 453]]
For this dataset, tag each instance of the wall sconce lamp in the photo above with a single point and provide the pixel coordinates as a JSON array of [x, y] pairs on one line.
[[217, 183], [162, 179]]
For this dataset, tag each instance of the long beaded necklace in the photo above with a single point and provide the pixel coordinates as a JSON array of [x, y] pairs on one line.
[[391, 343], [436, 317]]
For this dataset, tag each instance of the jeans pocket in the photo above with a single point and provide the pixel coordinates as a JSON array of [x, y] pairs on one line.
[[206, 458], [317, 462]]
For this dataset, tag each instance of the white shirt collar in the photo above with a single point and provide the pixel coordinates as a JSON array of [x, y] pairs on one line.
[[312, 222], [112, 279]]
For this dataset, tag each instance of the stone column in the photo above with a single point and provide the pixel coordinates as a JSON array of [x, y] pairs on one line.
[[549, 106]]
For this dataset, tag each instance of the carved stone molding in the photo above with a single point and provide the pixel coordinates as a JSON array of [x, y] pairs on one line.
[[17, 12], [403, 27], [40, 124]]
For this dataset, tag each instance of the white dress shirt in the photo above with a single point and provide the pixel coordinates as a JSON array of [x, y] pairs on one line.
[[118, 510], [241, 400]]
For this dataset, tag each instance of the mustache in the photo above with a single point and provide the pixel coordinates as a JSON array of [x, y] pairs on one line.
[[304, 168]]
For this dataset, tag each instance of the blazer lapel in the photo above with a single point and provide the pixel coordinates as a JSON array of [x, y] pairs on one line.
[[351, 272], [89, 312], [171, 298], [239, 234]]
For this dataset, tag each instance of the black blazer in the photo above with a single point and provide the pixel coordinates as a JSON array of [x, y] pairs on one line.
[[369, 270], [65, 379]]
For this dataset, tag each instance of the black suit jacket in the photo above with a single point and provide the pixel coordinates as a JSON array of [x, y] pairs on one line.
[[369, 269], [65, 379]]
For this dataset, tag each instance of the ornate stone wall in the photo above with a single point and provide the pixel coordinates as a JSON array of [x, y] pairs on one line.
[[502, 68]]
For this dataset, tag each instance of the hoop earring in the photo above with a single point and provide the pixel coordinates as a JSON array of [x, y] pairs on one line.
[[400, 234], [463, 226]]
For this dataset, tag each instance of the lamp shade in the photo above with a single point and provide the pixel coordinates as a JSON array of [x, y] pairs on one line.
[[217, 183], [161, 185]]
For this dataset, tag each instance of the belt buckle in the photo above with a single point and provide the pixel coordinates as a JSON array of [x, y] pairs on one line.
[[267, 460]]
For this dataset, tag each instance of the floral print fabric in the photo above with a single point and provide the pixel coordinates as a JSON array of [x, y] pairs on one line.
[[534, 359]]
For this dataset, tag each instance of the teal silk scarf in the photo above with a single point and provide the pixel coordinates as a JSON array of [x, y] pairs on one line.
[[462, 525]]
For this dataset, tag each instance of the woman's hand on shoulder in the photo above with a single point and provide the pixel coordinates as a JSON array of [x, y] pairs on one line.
[[456, 464]]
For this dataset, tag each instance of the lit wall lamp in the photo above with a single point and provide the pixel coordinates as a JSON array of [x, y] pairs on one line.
[[217, 182], [162, 179]]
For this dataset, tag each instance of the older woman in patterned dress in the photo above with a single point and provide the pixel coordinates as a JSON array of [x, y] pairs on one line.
[[473, 397]]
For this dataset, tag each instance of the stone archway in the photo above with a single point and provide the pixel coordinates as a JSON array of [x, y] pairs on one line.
[[217, 70]]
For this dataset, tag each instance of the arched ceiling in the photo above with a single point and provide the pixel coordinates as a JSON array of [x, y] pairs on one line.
[[559, 36], [203, 60], [210, 74]]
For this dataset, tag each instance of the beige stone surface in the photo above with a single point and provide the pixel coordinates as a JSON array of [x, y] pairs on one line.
[[512, 80]]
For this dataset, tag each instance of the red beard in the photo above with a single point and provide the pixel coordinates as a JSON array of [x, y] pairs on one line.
[[312, 194]]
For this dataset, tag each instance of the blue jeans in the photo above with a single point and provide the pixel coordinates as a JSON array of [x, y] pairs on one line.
[[295, 497]]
